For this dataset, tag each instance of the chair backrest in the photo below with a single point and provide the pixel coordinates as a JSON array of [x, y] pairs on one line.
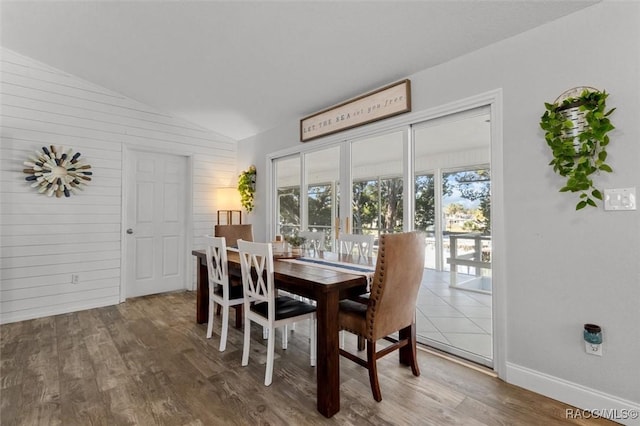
[[315, 239], [233, 233], [256, 263], [362, 244], [217, 266], [396, 283]]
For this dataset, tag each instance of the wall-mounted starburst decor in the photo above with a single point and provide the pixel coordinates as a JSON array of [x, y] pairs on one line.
[[56, 171]]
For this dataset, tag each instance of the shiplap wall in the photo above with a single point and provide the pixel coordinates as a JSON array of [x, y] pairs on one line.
[[45, 240]]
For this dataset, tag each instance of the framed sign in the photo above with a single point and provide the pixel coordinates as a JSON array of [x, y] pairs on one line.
[[382, 103]]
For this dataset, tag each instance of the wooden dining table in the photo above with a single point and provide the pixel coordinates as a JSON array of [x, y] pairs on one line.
[[326, 287]]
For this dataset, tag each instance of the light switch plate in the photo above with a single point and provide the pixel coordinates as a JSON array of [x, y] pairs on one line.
[[620, 199]]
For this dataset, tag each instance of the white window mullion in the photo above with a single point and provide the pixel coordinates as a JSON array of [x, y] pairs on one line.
[[345, 187], [409, 191], [439, 237], [304, 194]]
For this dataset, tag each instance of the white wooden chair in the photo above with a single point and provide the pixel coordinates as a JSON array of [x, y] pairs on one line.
[[315, 239], [220, 292], [361, 244], [262, 306]]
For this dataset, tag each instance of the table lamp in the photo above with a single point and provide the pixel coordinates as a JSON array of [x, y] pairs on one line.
[[228, 202]]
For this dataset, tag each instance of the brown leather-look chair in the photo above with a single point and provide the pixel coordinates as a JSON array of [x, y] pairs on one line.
[[391, 305], [233, 233]]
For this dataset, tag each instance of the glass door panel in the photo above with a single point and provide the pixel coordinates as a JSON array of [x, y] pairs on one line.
[[425, 214], [322, 176], [453, 206], [287, 179], [377, 184]]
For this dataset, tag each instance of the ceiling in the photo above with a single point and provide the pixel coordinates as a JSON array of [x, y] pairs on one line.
[[241, 67]]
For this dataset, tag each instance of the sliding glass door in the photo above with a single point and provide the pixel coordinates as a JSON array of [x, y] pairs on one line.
[[453, 206], [433, 176]]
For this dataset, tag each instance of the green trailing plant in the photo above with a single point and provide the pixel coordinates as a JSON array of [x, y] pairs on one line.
[[579, 149], [247, 188]]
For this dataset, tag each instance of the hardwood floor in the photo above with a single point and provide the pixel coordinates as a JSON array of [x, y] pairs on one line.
[[147, 362]]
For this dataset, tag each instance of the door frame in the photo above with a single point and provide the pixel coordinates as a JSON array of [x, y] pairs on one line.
[[494, 100], [127, 149]]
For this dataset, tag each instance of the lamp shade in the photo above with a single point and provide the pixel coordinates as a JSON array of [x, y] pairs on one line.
[[227, 199]]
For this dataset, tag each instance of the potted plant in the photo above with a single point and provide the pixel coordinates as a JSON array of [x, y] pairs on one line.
[[576, 130], [247, 188], [296, 242]]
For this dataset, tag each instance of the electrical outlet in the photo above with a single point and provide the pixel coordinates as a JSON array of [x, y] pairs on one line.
[[75, 279], [593, 349]]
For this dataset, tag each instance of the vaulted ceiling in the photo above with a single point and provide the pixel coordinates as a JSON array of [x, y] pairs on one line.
[[242, 67]]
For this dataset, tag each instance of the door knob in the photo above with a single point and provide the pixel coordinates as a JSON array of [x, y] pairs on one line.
[[129, 231]]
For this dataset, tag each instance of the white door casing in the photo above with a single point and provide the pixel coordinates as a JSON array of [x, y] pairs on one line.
[[155, 223]]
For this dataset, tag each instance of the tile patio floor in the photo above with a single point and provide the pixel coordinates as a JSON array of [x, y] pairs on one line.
[[459, 318]]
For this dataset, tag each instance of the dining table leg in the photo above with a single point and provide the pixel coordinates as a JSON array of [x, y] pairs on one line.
[[328, 354], [202, 293]]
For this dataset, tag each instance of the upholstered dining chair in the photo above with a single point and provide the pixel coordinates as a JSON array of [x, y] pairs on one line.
[[314, 239], [361, 244], [391, 304], [220, 292], [233, 233], [264, 307]]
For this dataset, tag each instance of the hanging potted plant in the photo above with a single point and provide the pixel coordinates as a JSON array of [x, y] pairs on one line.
[[247, 187], [576, 127]]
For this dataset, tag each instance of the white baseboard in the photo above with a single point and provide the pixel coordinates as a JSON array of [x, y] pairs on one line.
[[29, 314], [592, 401]]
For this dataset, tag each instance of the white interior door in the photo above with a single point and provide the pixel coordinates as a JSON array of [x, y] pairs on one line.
[[155, 223]]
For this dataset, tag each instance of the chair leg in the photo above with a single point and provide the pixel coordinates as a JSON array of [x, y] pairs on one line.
[[285, 337], [313, 342], [210, 325], [373, 370], [225, 327], [360, 343], [265, 333], [271, 349], [342, 333], [247, 339], [414, 357]]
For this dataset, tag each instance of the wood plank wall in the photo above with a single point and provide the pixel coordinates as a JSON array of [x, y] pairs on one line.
[[43, 241]]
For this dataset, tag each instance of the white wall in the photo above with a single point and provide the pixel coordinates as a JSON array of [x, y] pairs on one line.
[[45, 240], [564, 268]]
